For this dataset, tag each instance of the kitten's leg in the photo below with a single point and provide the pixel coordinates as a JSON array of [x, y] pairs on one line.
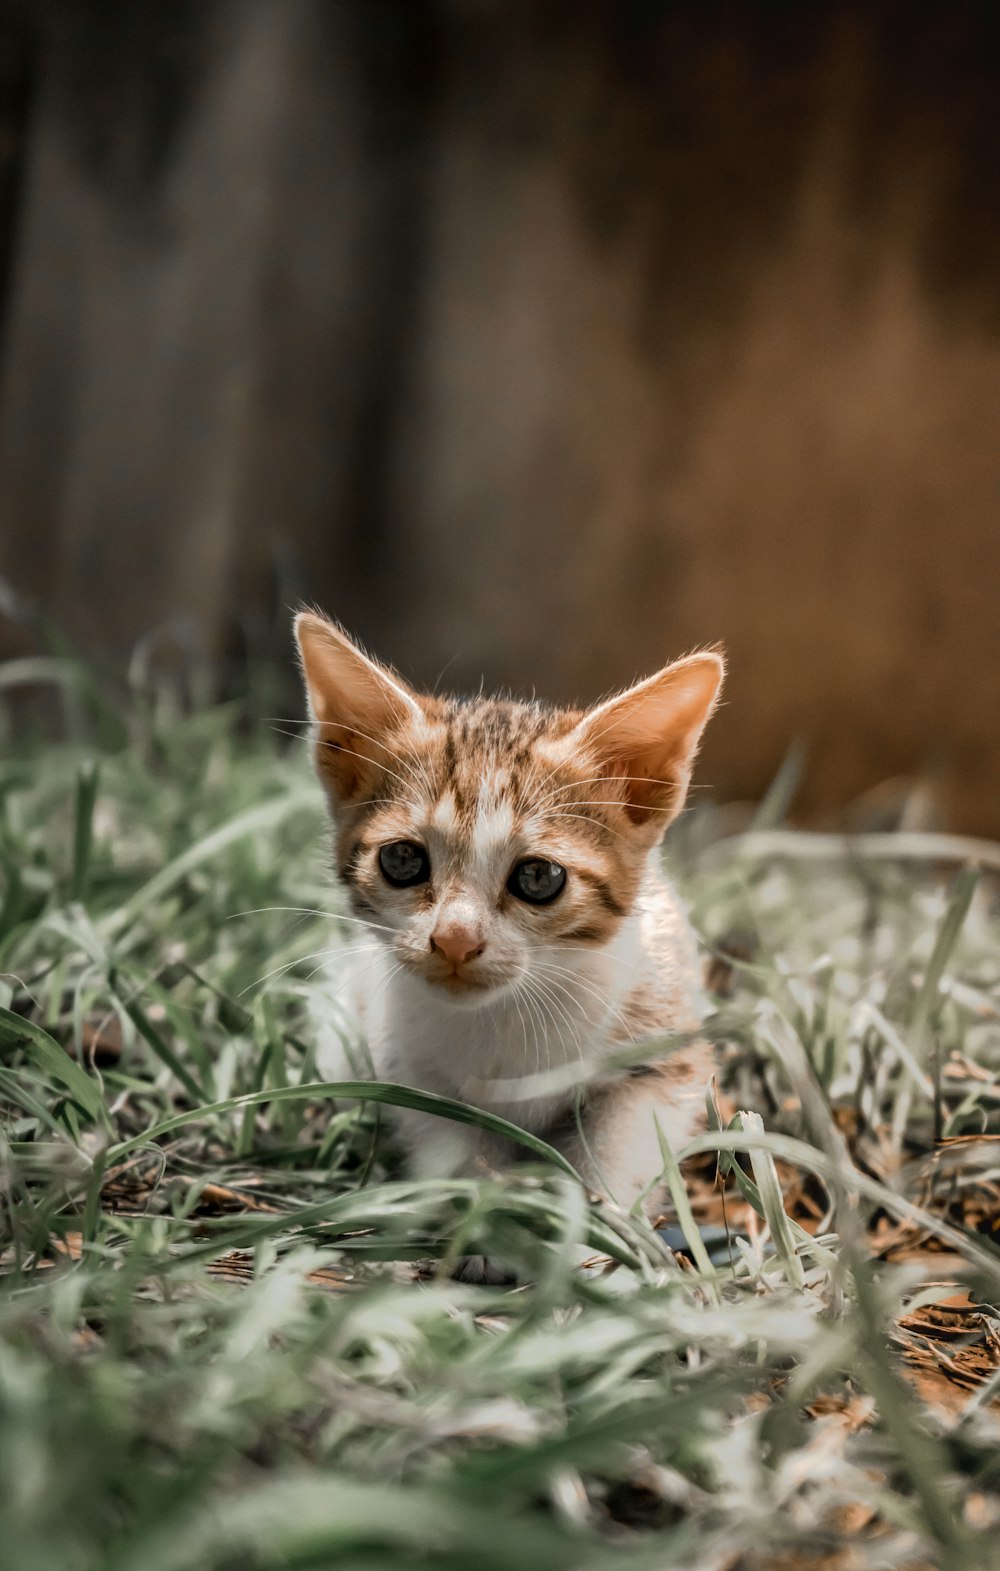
[[618, 1152], [440, 1148]]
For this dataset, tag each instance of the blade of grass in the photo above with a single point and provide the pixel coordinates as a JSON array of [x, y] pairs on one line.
[[929, 998], [13, 904], [817, 846], [685, 1216], [922, 1454], [254, 821], [359, 1091], [15, 1091], [187, 1029], [769, 1189], [45, 1051], [853, 1180], [360, 1209], [778, 798], [88, 776], [303, 1520], [727, 1164], [160, 1047]]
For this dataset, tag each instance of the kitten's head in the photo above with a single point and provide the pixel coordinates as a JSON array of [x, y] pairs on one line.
[[481, 834]]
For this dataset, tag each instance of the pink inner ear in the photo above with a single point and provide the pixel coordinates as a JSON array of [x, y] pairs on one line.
[[653, 783], [346, 760], [354, 702], [651, 735]]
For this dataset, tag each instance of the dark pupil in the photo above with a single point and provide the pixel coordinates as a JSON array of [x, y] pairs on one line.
[[537, 881], [404, 863]]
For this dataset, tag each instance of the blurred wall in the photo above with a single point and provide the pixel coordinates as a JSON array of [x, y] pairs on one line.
[[533, 341]]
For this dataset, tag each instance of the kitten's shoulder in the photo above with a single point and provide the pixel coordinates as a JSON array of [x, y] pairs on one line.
[[666, 994]]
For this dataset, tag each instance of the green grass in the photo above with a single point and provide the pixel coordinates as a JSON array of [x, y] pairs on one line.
[[228, 1336]]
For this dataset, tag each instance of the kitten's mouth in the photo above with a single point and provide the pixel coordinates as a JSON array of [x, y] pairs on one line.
[[462, 984], [456, 982]]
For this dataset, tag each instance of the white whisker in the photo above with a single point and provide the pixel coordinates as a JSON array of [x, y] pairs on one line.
[[363, 921], [414, 767], [289, 965], [547, 988], [584, 819], [345, 954], [354, 978], [332, 916], [610, 1009]]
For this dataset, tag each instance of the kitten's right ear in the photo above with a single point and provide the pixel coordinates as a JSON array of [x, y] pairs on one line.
[[647, 738], [353, 701]]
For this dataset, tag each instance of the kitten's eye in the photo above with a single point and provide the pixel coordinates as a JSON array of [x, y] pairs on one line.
[[404, 863], [537, 881]]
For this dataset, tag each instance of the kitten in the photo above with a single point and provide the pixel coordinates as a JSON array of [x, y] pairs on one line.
[[524, 937]]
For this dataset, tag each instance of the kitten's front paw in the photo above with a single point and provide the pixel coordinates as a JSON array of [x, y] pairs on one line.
[[480, 1268]]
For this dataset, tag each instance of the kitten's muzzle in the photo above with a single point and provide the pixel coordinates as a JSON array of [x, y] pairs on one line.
[[457, 940], [457, 979], [468, 979]]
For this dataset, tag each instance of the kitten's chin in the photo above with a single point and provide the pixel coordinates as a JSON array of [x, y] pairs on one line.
[[467, 992]]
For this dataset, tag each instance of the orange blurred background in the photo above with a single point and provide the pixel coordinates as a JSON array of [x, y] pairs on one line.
[[535, 342]]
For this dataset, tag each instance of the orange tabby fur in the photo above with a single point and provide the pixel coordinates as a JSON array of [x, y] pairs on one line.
[[471, 992]]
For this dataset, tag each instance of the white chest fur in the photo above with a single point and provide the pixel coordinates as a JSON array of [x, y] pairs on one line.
[[524, 1053], [520, 1054]]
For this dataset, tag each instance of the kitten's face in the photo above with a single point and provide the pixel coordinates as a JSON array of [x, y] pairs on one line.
[[491, 836], [479, 838]]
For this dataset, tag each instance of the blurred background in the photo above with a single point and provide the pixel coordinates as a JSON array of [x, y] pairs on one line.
[[534, 341]]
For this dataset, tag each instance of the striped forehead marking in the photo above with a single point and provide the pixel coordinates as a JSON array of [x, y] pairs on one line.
[[492, 828], [445, 815], [484, 764]]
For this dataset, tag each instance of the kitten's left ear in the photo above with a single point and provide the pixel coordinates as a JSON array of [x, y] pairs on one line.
[[645, 740]]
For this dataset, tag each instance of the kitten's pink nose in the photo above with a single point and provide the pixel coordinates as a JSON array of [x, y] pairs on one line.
[[457, 941]]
